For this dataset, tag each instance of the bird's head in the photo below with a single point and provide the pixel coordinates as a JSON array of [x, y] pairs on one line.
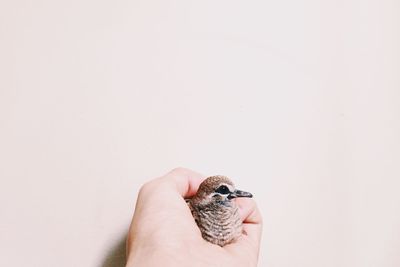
[[218, 189]]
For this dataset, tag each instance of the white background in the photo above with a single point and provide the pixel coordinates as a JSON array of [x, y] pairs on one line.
[[297, 101]]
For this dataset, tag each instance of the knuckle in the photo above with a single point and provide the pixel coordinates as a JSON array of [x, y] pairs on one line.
[[147, 187], [178, 170]]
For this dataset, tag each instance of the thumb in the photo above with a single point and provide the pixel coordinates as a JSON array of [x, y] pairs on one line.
[[249, 243]]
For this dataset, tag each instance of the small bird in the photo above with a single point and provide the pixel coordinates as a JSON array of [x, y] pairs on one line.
[[216, 215]]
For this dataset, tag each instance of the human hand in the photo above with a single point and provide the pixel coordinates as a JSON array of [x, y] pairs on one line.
[[164, 233]]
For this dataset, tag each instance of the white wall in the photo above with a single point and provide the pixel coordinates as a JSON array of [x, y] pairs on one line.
[[297, 101]]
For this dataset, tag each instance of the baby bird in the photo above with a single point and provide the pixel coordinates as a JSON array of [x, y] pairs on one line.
[[215, 213]]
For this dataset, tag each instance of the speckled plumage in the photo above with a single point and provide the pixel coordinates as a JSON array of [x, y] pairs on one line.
[[215, 213]]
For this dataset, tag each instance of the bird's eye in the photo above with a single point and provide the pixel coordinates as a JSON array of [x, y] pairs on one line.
[[223, 189]]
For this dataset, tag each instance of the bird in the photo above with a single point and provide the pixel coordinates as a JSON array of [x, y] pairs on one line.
[[215, 212]]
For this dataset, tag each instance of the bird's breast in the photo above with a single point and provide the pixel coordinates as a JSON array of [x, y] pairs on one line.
[[219, 224]]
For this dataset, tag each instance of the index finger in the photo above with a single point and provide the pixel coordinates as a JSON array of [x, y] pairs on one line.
[[252, 220]]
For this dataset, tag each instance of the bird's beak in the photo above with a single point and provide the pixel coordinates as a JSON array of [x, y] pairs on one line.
[[239, 193]]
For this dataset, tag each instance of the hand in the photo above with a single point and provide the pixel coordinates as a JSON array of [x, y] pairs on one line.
[[164, 233]]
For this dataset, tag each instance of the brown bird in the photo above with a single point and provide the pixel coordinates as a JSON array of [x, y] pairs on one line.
[[215, 213]]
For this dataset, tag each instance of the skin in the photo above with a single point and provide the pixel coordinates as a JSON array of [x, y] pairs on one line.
[[164, 233]]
